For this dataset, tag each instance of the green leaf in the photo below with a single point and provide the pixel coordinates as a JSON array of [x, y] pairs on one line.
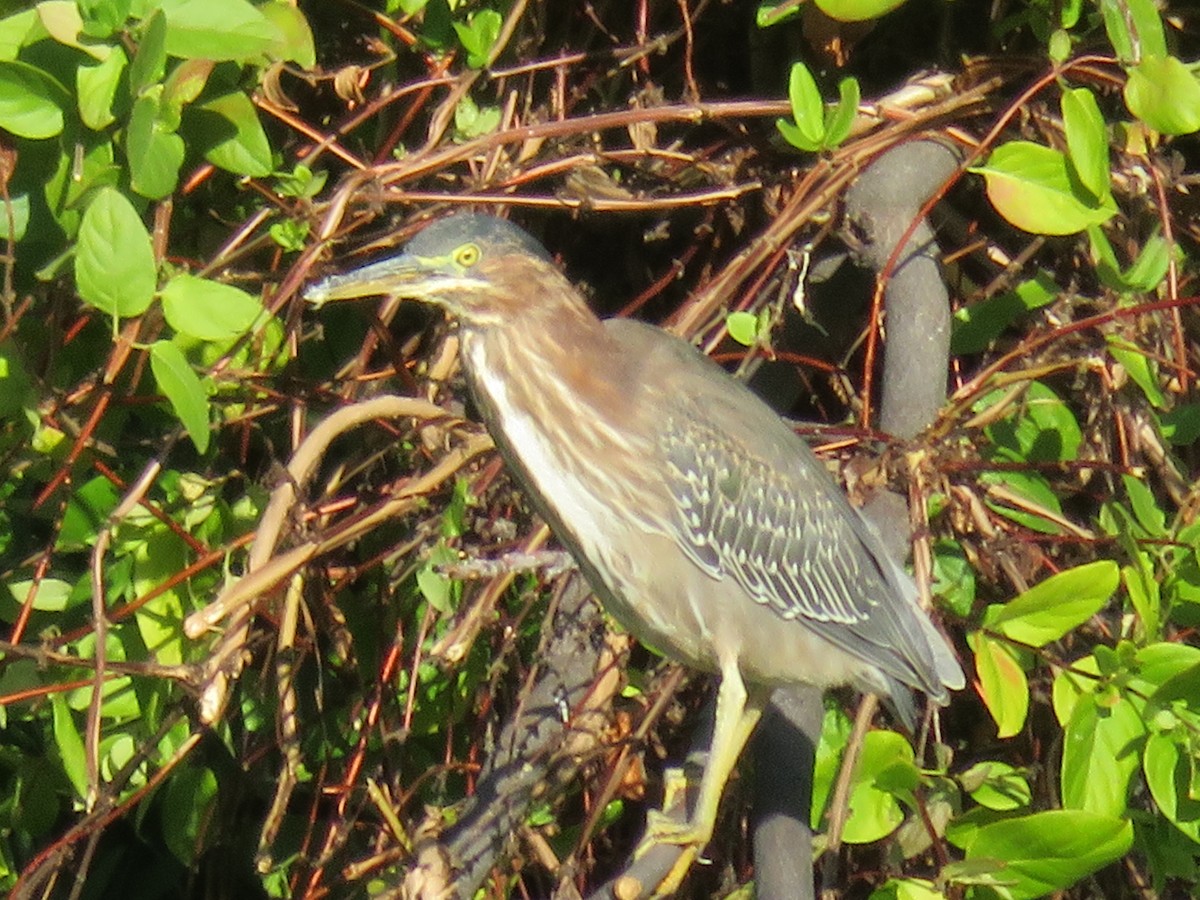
[[439, 591], [907, 889], [97, 88], [1151, 265], [1058, 47], [977, 326], [857, 10], [86, 513], [835, 734], [1048, 610], [1042, 427], [997, 785], [1159, 664], [31, 102], [1145, 594], [1146, 37], [160, 621], [16, 385], [885, 770], [53, 594], [794, 136], [1087, 141], [186, 83], [1033, 188], [114, 261], [183, 389], [1181, 425], [1050, 851], [840, 119], [295, 34], [435, 588], [245, 150], [953, 577], [1026, 498], [1168, 767], [471, 121], [478, 35], [14, 209], [772, 12], [1139, 367], [75, 181], [103, 18], [1071, 684], [150, 61], [208, 310], [63, 22], [190, 796], [300, 182], [808, 111], [217, 30], [742, 327], [18, 30], [154, 150], [1180, 692], [290, 234], [1101, 753], [1145, 506], [1145, 274], [69, 744], [1163, 93], [1002, 683]]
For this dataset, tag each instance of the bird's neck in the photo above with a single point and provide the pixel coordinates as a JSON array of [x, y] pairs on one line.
[[544, 369]]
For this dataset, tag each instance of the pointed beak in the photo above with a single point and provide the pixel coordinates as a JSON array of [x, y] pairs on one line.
[[401, 276]]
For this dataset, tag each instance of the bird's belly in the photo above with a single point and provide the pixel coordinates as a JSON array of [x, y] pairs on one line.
[[680, 610]]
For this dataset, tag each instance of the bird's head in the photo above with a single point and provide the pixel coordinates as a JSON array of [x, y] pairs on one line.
[[481, 269]]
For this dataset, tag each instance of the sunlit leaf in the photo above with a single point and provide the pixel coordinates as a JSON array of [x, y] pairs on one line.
[[1087, 140], [154, 150], [114, 262], [1163, 93], [1049, 851], [997, 785], [208, 310], [978, 325], [1168, 769], [217, 29], [183, 390], [1033, 188], [97, 89], [885, 770], [1101, 753], [1048, 610], [1001, 683], [857, 10], [241, 146], [31, 102], [69, 745]]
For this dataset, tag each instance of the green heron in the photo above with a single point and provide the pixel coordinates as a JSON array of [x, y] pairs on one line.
[[707, 527]]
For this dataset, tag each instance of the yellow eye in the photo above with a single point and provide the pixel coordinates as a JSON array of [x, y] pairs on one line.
[[467, 255]]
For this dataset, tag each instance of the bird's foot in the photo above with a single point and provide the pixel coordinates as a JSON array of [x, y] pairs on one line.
[[672, 825], [671, 829], [662, 828]]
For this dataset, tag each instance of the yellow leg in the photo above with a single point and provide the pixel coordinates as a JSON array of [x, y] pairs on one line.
[[737, 714]]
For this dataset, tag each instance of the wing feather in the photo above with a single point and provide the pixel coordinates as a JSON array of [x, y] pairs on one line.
[[754, 506], [794, 544]]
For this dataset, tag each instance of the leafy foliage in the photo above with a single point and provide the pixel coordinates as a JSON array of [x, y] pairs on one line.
[[172, 171]]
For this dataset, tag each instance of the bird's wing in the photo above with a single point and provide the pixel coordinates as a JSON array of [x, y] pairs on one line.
[[754, 504]]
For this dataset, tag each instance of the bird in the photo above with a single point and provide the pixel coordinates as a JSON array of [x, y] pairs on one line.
[[706, 526]]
